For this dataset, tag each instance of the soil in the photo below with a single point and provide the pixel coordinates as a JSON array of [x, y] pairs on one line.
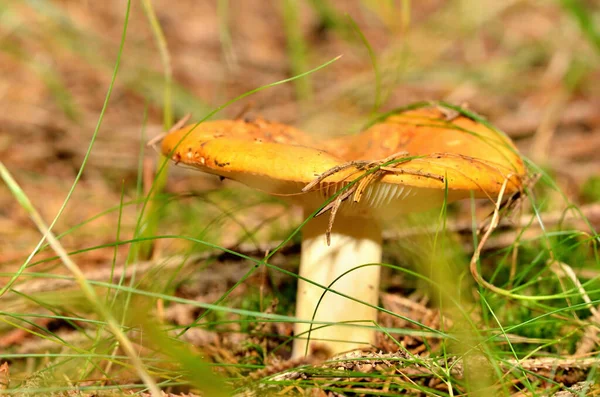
[[524, 65]]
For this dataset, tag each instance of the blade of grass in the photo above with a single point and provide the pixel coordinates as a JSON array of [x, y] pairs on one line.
[[296, 47], [152, 216], [193, 367], [585, 20], [378, 99], [225, 33], [85, 286], [165, 159], [85, 158]]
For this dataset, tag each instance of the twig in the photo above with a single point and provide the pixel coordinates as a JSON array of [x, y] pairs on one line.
[[369, 362], [152, 142], [378, 167]]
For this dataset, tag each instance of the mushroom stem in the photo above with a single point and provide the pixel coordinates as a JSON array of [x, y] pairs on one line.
[[355, 241]]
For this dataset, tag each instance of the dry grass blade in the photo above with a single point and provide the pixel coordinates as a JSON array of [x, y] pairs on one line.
[[372, 171], [492, 226], [366, 364], [503, 58], [87, 289]]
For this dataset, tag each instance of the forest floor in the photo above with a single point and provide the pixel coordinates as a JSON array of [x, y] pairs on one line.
[[531, 68]]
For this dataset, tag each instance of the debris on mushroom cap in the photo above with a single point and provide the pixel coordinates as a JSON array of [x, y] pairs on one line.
[[274, 157], [472, 156], [461, 154], [424, 131]]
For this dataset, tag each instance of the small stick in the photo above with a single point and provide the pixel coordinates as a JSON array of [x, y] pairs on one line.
[[328, 173], [359, 164], [175, 127], [341, 197], [358, 189], [363, 183], [180, 123], [334, 210], [413, 172]]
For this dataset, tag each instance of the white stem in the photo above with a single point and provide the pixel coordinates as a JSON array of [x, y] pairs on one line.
[[355, 241]]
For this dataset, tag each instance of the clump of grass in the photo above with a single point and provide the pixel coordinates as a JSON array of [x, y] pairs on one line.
[[540, 311]]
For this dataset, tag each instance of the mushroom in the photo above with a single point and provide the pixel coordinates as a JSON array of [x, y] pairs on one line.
[[411, 161]]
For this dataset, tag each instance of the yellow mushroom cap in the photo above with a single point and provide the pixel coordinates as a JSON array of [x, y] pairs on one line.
[[464, 155]]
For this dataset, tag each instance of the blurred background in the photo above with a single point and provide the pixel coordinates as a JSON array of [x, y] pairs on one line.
[[531, 67]]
